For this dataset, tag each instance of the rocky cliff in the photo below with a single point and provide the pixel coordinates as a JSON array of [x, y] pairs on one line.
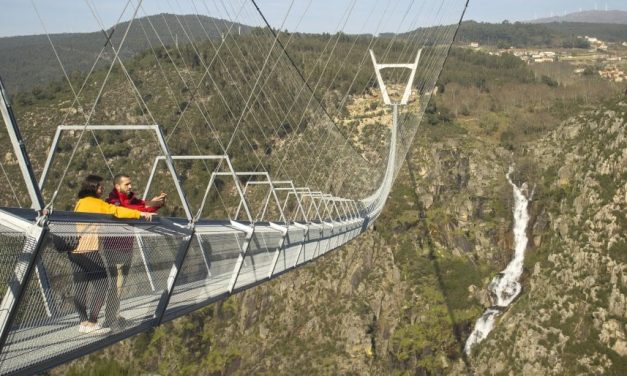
[[572, 318], [402, 298]]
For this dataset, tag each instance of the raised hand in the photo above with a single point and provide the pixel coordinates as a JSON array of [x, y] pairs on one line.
[[147, 216], [158, 200]]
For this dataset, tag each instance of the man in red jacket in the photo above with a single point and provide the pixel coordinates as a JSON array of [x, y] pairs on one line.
[[122, 195], [119, 249]]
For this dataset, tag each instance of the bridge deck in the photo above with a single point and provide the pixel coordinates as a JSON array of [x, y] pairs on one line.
[[215, 259]]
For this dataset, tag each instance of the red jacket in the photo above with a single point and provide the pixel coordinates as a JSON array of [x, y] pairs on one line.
[[130, 201]]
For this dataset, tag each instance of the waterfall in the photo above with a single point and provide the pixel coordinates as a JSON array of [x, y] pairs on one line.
[[505, 287]]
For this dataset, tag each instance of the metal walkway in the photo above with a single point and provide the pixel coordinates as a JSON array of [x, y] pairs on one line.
[[174, 270], [175, 265]]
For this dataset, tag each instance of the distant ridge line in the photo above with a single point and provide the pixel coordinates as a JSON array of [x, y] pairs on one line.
[[22, 55], [588, 16]]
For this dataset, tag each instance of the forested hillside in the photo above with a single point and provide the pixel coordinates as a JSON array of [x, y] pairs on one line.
[[30, 61], [402, 298], [191, 107], [22, 55], [520, 35]]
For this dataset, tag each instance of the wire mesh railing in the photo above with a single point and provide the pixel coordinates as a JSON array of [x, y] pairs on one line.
[[259, 97], [125, 276]]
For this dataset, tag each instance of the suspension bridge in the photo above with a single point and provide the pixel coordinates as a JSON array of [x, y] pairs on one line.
[[257, 140]]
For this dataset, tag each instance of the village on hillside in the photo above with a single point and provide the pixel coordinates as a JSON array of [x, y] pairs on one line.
[[608, 60]]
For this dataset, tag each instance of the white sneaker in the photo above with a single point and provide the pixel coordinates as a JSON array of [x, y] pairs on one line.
[[94, 329]]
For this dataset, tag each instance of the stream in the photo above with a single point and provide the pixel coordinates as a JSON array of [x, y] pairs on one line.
[[505, 287]]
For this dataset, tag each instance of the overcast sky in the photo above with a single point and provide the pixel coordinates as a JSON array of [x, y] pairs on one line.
[[18, 17]]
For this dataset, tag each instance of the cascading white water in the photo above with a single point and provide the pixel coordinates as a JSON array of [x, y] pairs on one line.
[[505, 287]]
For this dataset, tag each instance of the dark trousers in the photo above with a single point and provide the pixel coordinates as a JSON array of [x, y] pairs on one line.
[[118, 263], [89, 268]]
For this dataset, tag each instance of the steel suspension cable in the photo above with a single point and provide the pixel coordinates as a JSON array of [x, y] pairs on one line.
[[436, 68], [75, 148], [300, 89], [388, 45], [361, 64], [276, 38], [296, 68], [207, 69], [135, 89], [316, 145], [19, 203], [261, 129], [204, 65], [422, 61], [192, 99], [256, 99], [205, 74], [67, 78]]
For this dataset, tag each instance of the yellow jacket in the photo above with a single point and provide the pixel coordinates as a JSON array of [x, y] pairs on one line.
[[89, 239]]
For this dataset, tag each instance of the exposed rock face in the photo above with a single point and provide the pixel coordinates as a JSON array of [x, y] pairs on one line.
[[572, 319], [403, 296], [397, 298]]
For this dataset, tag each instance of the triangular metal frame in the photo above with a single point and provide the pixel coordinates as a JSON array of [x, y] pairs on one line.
[[231, 172], [378, 67], [271, 193], [167, 157]]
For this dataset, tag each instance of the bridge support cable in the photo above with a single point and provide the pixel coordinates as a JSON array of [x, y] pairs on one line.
[[359, 67], [302, 87], [8, 179], [75, 93], [19, 149], [323, 146], [247, 104], [205, 260], [432, 61], [298, 71], [91, 112], [318, 149], [387, 49], [250, 67], [206, 69], [433, 65], [172, 91]]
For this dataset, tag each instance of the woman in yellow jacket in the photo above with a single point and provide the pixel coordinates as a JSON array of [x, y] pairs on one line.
[[89, 266]]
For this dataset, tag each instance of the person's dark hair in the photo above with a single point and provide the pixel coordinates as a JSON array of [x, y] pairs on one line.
[[117, 179], [89, 186]]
